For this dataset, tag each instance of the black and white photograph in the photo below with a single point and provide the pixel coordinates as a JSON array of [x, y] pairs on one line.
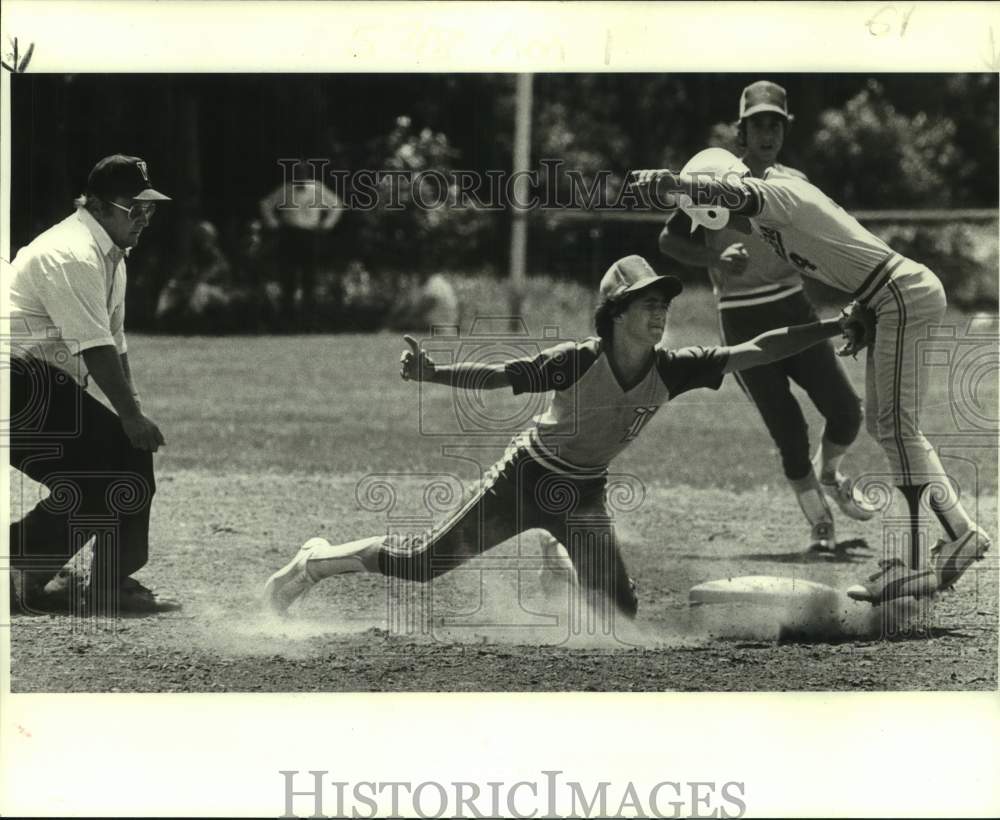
[[398, 368]]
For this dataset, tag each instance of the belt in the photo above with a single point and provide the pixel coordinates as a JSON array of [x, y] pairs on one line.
[[878, 277], [759, 296], [538, 452]]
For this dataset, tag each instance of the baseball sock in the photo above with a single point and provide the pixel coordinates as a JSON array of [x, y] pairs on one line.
[[952, 516], [943, 499], [335, 559], [912, 493], [829, 458], [811, 500]]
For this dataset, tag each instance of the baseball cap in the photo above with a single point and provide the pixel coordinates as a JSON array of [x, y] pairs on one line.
[[633, 273], [762, 96], [122, 176]]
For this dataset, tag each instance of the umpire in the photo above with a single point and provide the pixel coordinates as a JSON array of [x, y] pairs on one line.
[[67, 327]]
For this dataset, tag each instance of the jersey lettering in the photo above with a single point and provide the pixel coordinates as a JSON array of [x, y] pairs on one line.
[[642, 416], [773, 238], [801, 262], [829, 244]]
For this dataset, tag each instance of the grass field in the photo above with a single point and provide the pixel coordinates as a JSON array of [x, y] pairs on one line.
[[271, 440]]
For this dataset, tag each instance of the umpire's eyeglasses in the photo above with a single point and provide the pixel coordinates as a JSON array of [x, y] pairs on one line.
[[140, 209]]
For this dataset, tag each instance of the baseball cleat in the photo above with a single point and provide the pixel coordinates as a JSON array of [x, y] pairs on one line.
[[894, 580], [823, 540], [850, 500], [950, 559], [289, 583]]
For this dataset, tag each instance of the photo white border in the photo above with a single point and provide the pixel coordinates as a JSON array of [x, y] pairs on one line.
[[818, 754]]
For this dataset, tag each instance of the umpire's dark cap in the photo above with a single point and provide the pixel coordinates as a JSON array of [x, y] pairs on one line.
[[632, 274], [124, 177]]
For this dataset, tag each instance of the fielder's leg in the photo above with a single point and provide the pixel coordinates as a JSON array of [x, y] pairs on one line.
[[822, 376], [909, 304], [769, 388]]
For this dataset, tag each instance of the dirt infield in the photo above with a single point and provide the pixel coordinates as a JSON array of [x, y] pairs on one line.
[[273, 440], [487, 627]]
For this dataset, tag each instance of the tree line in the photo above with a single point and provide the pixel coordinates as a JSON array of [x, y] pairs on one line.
[[213, 142]]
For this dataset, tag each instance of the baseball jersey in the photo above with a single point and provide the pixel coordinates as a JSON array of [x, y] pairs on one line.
[[592, 417], [804, 226], [67, 294]]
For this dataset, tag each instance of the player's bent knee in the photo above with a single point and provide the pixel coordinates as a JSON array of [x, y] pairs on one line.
[[844, 426]]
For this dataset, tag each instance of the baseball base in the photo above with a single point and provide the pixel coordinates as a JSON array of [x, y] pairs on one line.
[[760, 589], [775, 608]]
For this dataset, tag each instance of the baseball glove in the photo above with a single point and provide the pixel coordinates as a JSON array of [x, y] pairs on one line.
[[857, 323]]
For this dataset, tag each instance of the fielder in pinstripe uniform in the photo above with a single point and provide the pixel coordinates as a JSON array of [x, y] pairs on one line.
[[805, 227], [605, 390], [757, 290]]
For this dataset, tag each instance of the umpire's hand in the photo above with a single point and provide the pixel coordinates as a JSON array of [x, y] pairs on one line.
[[143, 432], [415, 364]]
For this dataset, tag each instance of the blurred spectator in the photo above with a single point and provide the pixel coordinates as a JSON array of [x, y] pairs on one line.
[[438, 301], [300, 212], [260, 310], [425, 303], [200, 296], [250, 253]]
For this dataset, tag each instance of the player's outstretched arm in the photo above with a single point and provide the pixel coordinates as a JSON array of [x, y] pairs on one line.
[[416, 365], [779, 344], [723, 190]]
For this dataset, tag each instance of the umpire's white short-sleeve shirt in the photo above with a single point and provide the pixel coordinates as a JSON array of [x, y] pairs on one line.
[[67, 294]]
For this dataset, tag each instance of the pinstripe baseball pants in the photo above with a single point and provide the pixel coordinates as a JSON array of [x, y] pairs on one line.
[[908, 306]]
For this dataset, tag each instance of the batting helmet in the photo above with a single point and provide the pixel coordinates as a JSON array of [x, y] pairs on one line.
[[720, 164]]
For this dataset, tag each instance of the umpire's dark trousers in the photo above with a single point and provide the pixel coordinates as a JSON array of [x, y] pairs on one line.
[[99, 484]]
